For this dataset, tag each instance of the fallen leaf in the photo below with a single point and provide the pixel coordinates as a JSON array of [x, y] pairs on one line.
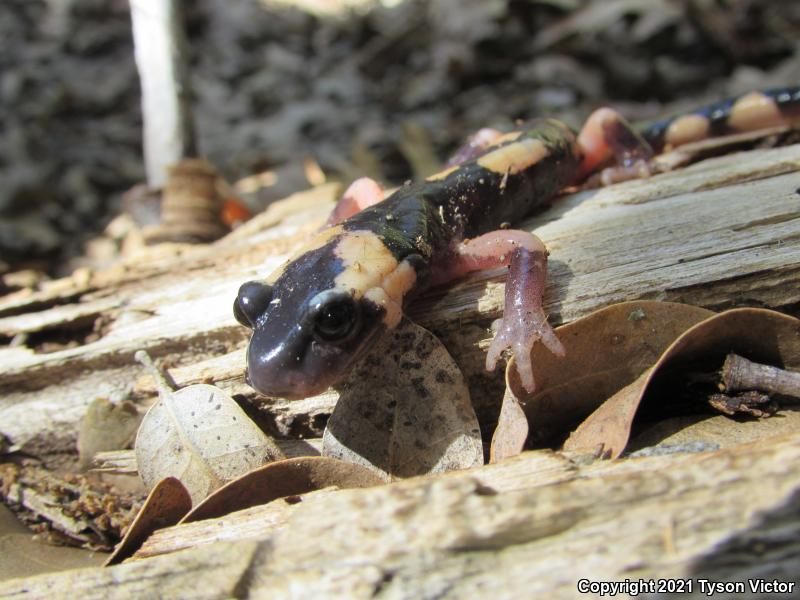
[[405, 410], [201, 436], [168, 503], [290, 477], [607, 430], [605, 351], [106, 426], [512, 428], [760, 335]]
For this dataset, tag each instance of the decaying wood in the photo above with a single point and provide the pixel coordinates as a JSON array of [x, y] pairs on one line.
[[527, 527], [722, 232]]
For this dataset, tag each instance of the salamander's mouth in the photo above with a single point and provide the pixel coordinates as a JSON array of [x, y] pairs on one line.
[[296, 368], [289, 384]]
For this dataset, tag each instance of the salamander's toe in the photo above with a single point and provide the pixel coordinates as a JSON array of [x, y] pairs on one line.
[[520, 331]]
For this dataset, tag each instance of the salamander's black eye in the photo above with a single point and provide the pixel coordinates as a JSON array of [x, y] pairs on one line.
[[334, 316], [251, 302]]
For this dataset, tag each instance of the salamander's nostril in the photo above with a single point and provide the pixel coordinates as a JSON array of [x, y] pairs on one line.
[[251, 302]]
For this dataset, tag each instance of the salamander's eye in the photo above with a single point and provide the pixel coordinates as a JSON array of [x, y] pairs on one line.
[[334, 316], [251, 302]]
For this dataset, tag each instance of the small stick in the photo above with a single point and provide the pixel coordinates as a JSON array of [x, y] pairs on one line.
[[164, 381], [738, 373]]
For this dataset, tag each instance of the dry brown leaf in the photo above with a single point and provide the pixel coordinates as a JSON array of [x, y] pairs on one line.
[[201, 436], [512, 428], [405, 410], [289, 477], [607, 430], [167, 504], [760, 335], [606, 351]]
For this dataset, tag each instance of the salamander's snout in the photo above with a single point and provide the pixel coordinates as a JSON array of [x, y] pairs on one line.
[[273, 374], [251, 302]]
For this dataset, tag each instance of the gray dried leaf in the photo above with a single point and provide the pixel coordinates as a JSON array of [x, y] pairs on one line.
[[405, 410], [199, 435], [106, 426]]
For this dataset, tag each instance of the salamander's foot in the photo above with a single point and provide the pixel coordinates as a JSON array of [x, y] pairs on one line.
[[639, 169], [524, 321]]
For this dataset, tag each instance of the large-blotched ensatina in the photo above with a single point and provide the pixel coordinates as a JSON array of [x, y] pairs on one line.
[[322, 310]]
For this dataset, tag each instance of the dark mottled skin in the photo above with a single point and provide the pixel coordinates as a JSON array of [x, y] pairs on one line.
[[426, 217], [787, 99]]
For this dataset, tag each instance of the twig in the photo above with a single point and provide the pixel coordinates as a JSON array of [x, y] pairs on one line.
[[739, 374], [164, 381]]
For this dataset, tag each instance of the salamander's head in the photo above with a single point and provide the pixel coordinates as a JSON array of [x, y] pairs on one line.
[[321, 312]]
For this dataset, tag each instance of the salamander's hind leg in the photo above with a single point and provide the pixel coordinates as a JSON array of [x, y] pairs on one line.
[[362, 193], [475, 145], [606, 136], [524, 320]]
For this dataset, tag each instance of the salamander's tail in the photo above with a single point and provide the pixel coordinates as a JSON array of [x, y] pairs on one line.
[[747, 112]]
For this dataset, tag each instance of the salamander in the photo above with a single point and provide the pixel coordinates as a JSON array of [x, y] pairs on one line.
[[320, 312]]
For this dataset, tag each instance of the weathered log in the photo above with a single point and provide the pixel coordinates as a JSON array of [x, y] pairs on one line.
[[533, 526], [720, 233]]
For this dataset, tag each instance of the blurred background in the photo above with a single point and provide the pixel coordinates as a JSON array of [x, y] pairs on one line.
[[304, 91]]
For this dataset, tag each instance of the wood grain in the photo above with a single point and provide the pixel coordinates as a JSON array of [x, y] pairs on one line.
[[717, 234]]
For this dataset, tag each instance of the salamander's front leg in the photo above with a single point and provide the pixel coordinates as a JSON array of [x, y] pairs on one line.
[[362, 193], [524, 320]]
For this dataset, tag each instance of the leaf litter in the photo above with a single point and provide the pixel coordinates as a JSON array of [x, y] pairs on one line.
[[283, 478], [167, 503], [199, 435], [405, 410], [640, 359]]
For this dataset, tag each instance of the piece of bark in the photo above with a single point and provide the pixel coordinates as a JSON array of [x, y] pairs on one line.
[[695, 235], [455, 536]]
